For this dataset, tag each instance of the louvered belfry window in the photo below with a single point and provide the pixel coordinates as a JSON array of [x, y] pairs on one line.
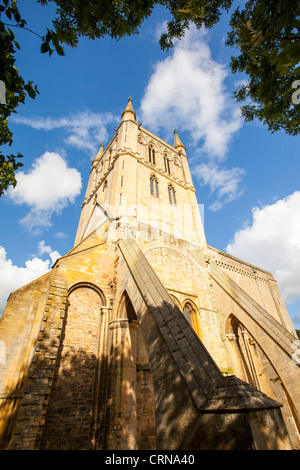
[[151, 154], [154, 187], [172, 195]]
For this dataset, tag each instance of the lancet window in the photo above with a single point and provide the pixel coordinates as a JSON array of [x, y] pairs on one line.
[[167, 164], [102, 194], [151, 154], [154, 189], [190, 312], [172, 195]]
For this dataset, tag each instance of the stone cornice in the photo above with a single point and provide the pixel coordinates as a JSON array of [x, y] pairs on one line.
[[255, 270], [238, 270]]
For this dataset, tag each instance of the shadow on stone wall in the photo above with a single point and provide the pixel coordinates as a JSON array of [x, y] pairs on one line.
[[73, 401], [76, 410], [59, 405]]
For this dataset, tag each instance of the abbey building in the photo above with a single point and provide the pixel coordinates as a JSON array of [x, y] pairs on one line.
[[142, 336]]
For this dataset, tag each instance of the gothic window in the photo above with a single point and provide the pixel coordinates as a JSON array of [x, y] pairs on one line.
[[167, 164], [176, 301], [102, 194], [151, 154], [172, 195], [154, 190], [187, 312], [101, 167], [190, 312], [109, 158]]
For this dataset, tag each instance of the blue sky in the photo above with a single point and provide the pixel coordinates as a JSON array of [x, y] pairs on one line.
[[246, 177]]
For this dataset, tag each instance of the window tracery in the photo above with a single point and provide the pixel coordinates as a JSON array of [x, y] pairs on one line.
[[154, 186], [167, 164], [151, 154], [172, 195]]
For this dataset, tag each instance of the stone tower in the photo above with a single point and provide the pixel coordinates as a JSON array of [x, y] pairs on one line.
[[142, 336]]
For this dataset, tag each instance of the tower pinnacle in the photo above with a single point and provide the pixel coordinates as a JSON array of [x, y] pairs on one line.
[[99, 154], [177, 142], [128, 111]]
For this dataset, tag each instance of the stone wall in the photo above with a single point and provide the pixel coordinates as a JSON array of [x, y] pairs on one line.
[[72, 401]]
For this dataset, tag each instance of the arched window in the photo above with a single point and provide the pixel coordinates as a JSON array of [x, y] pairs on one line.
[[190, 312], [167, 164], [151, 154], [176, 301], [154, 191], [126, 309], [103, 195], [172, 195]]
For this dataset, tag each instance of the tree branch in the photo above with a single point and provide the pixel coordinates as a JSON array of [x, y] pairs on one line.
[[23, 27]]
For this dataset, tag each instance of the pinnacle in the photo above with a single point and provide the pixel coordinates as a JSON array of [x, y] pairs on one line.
[[129, 108], [99, 154], [177, 141]]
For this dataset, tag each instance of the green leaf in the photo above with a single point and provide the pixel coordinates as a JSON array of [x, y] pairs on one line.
[[45, 47], [59, 50], [48, 35], [54, 38], [17, 16], [297, 72], [8, 14]]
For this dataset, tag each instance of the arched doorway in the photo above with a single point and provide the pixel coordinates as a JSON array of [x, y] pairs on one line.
[[132, 413], [242, 352], [251, 364]]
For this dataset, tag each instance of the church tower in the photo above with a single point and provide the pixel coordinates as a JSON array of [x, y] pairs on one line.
[[143, 336], [142, 179]]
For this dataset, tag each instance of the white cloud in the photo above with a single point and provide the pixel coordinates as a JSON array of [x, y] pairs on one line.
[[12, 277], [43, 248], [48, 187], [85, 130], [61, 235], [272, 242], [223, 182], [187, 91], [160, 28]]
